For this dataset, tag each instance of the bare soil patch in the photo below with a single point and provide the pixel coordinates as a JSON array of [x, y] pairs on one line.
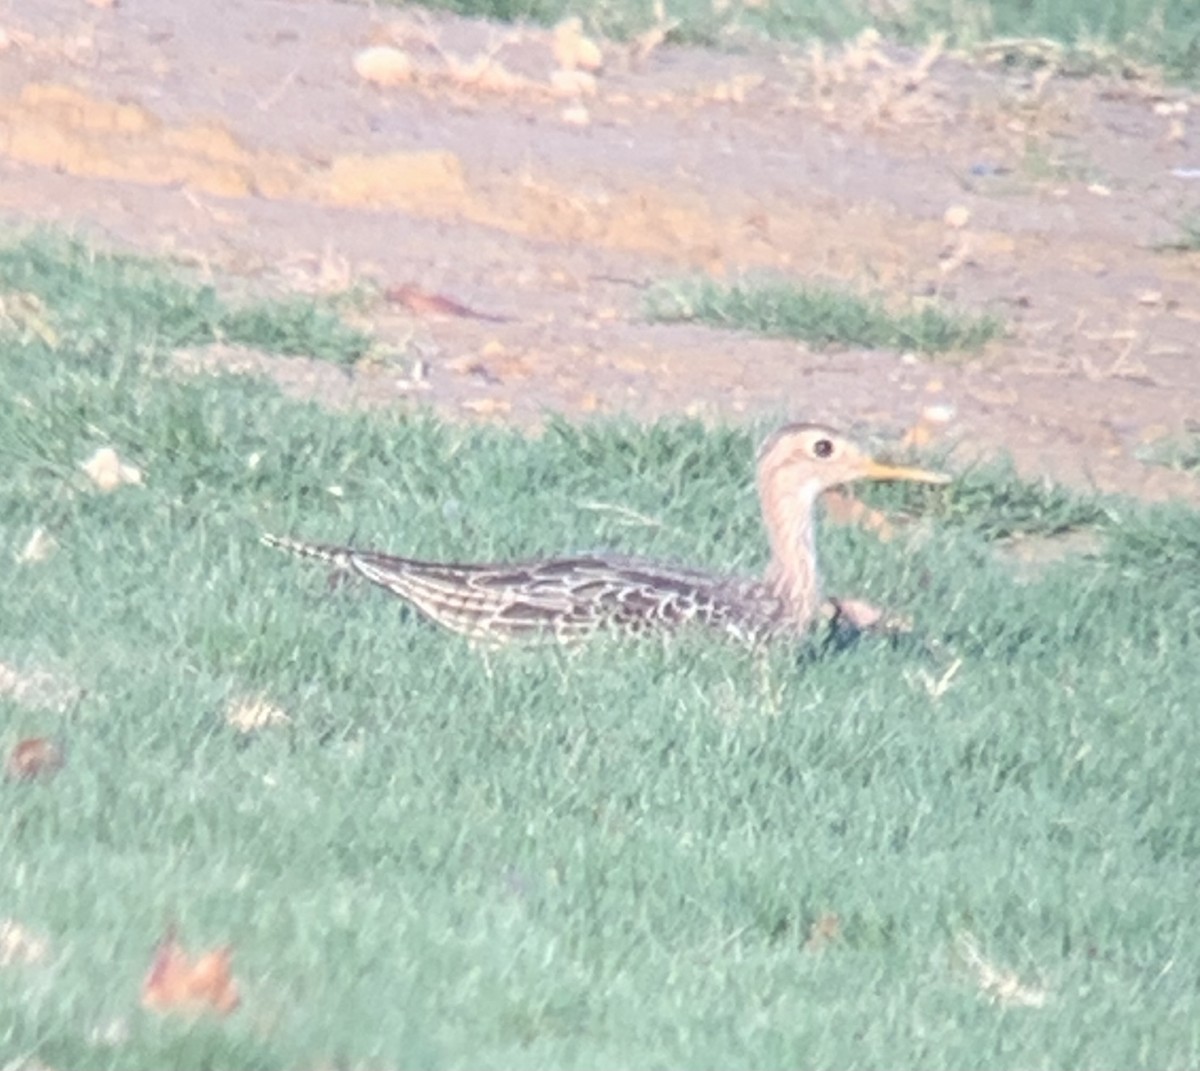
[[545, 198]]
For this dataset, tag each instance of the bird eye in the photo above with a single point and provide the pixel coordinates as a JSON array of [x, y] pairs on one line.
[[822, 448]]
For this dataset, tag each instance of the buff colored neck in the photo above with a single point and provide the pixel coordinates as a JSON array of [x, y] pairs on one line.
[[788, 508]]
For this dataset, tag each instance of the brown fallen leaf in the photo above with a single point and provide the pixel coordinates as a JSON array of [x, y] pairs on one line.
[[32, 758], [826, 928], [177, 984], [424, 303]]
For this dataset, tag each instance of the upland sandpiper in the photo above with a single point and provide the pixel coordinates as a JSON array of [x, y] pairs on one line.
[[566, 599]]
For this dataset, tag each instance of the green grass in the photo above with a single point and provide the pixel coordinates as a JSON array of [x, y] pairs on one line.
[[1096, 34], [1181, 453], [821, 315], [1188, 238], [608, 859], [994, 503], [106, 305]]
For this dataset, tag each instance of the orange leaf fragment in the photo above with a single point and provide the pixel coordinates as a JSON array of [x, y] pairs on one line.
[[825, 930], [423, 303], [33, 757], [177, 984], [842, 508]]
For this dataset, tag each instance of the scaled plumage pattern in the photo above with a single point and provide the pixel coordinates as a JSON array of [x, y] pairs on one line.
[[566, 599]]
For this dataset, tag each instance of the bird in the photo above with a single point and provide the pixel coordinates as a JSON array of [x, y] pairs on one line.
[[566, 599]]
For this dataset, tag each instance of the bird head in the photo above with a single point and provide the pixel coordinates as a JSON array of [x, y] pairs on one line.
[[806, 459]]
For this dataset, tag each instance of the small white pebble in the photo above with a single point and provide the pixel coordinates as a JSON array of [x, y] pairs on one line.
[[938, 414], [957, 217], [383, 65], [108, 472]]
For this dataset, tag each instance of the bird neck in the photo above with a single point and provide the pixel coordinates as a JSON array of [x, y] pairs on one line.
[[792, 573]]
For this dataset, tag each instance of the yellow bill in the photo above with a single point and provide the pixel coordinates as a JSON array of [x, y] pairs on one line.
[[878, 470]]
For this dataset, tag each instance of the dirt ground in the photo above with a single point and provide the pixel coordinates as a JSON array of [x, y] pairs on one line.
[[503, 173]]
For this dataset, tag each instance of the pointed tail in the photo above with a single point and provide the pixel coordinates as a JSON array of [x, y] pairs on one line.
[[324, 552]]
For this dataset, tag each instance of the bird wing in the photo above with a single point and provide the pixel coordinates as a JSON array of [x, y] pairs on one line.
[[559, 599], [639, 595], [564, 598]]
